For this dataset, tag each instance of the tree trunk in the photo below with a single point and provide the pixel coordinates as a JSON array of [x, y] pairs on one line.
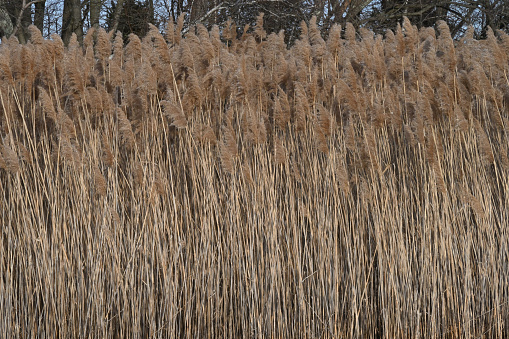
[[76, 18], [151, 11], [95, 10], [39, 15], [66, 21], [71, 22], [116, 16], [199, 8]]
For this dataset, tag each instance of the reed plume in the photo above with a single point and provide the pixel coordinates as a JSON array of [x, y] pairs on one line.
[[316, 40], [125, 128], [10, 160], [103, 45], [204, 134], [484, 145], [228, 151], [178, 29], [301, 108], [99, 182], [175, 113], [169, 31]]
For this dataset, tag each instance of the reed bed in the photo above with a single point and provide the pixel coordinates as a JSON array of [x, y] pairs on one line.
[[224, 185]]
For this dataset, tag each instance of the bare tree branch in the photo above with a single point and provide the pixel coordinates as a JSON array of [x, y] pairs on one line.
[[24, 6], [209, 13]]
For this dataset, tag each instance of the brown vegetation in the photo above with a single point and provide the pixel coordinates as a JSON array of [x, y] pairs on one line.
[[352, 187]]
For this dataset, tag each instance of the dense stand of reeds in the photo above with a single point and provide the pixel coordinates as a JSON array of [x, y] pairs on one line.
[[210, 185]]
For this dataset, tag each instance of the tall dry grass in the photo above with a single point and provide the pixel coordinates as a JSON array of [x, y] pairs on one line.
[[209, 186]]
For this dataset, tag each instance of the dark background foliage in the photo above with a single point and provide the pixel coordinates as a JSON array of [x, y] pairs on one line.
[[132, 16]]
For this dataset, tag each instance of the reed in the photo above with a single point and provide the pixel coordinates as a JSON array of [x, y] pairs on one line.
[[188, 186]]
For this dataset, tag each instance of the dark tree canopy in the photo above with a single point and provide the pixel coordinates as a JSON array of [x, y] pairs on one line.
[[133, 16]]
